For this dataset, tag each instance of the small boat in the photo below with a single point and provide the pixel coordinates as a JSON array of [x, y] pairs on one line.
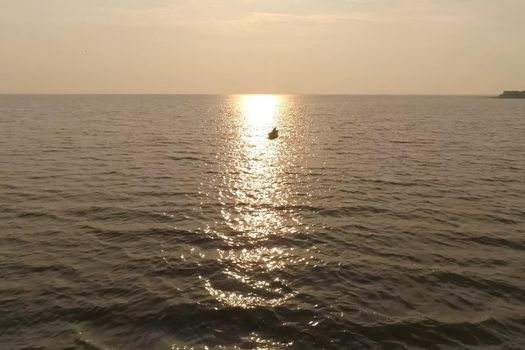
[[273, 134]]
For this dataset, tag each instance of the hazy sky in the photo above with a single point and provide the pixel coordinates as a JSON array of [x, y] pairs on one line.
[[262, 46]]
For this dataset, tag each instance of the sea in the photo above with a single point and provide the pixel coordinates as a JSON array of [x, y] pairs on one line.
[[173, 222]]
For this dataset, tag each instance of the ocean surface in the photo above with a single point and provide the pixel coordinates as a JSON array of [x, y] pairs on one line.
[[172, 222]]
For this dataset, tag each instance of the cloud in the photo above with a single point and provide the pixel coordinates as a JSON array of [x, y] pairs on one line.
[[262, 18], [256, 21], [155, 16], [175, 16], [249, 15]]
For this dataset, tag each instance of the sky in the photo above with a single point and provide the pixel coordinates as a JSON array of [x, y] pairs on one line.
[[262, 46]]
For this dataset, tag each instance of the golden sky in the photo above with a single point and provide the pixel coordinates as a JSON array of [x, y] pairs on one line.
[[262, 46]]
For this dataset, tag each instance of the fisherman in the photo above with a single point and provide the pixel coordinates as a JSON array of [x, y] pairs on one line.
[[273, 134]]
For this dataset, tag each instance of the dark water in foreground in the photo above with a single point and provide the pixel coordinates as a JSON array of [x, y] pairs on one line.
[[165, 222]]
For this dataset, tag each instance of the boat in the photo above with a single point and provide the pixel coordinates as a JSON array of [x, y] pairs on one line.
[[273, 134]]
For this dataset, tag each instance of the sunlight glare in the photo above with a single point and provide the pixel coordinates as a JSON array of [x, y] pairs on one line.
[[259, 110]]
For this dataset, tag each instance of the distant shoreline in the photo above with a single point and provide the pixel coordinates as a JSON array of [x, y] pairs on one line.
[[512, 94]]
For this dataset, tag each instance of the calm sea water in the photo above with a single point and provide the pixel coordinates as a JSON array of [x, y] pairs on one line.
[[172, 222]]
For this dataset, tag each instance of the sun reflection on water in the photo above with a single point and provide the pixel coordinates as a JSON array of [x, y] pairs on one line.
[[256, 214]]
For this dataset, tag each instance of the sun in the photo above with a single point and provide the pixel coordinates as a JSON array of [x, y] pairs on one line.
[[259, 110]]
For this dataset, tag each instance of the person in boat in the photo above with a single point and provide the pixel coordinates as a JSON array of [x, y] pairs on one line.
[[273, 134]]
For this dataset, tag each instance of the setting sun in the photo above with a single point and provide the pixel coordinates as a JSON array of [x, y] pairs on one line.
[[259, 110]]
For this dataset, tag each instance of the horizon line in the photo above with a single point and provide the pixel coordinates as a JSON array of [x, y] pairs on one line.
[[234, 94]]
